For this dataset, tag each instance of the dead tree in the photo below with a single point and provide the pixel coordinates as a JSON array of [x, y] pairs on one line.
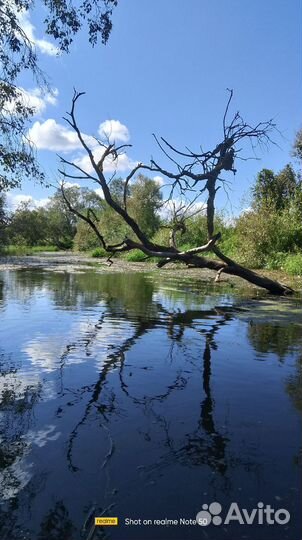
[[195, 174]]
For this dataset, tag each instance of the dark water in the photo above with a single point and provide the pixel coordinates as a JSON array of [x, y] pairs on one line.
[[133, 396]]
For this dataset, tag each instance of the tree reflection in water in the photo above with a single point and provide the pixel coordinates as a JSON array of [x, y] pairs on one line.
[[147, 312], [196, 450]]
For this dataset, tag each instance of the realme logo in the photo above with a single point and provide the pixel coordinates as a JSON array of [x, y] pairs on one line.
[[105, 521]]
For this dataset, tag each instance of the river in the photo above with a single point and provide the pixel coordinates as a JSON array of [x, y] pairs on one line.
[[146, 398]]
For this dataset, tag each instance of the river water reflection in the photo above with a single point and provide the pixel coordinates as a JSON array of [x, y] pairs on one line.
[[145, 397]]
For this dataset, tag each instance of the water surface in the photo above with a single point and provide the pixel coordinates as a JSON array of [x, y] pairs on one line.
[[145, 397]]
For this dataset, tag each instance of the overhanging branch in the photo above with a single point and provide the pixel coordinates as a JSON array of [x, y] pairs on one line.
[[203, 168]]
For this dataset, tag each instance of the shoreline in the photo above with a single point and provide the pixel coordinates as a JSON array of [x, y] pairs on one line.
[[78, 263]]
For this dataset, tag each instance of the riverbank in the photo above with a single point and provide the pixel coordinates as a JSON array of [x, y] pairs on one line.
[[78, 263]]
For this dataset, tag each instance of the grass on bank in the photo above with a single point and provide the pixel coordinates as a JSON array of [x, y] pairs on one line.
[[136, 255], [16, 250], [290, 263]]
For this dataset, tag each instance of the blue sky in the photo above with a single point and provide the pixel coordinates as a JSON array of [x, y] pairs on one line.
[[166, 69]]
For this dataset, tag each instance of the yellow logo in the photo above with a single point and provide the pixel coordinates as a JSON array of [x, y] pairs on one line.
[[105, 521]]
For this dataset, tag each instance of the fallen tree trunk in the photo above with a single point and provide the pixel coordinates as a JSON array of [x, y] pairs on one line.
[[211, 165], [228, 266], [274, 287]]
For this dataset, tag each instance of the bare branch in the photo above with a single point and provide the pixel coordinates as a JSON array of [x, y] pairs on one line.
[[201, 168], [226, 112], [128, 178], [83, 217]]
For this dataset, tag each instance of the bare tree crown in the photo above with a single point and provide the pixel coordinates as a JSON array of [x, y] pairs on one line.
[[192, 175]]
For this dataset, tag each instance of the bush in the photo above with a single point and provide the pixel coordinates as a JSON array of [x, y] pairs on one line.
[[99, 252], [293, 264], [19, 250], [196, 233], [262, 235], [16, 250], [276, 261], [185, 246], [136, 255], [161, 236], [37, 249]]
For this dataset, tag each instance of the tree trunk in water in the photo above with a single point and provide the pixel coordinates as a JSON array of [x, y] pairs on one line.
[[234, 269], [271, 285]]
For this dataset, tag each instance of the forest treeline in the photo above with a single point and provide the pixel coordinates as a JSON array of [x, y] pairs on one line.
[[267, 234]]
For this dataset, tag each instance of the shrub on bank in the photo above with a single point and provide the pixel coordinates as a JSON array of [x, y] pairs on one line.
[[293, 264], [276, 260], [136, 255], [99, 252], [21, 250]]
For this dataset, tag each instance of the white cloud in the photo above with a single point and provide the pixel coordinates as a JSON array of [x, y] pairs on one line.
[[50, 135], [43, 45], [41, 203], [13, 201], [159, 180], [46, 47], [34, 98], [38, 100], [42, 436], [246, 210], [180, 204], [44, 352], [99, 192], [55, 137], [121, 164], [71, 185], [114, 131], [184, 207], [199, 206]]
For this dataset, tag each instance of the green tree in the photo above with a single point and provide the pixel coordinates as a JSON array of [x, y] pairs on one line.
[[113, 225], [53, 224], [18, 54], [195, 232], [297, 149], [275, 191], [144, 202], [85, 238], [28, 226], [263, 236], [3, 213], [64, 228], [117, 187], [88, 202], [272, 228], [61, 224], [3, 220]]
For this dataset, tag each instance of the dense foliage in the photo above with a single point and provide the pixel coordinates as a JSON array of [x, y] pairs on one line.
[[269, 234], [298, 146], [275, 191], [18, 54], [54, 225]]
